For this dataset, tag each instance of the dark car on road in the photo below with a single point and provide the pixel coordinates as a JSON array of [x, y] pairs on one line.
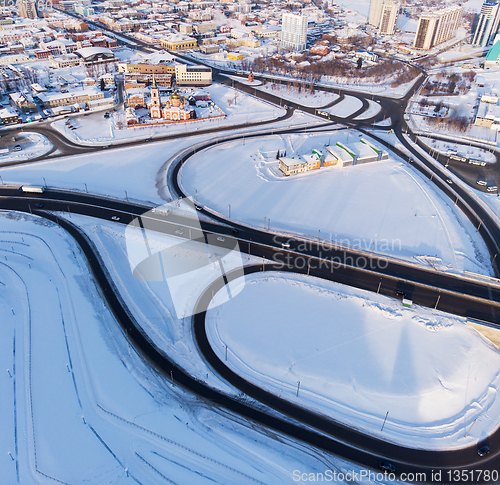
[[386, 466], [483, 451]]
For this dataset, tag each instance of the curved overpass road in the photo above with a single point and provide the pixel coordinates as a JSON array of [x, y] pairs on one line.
[[320, 431], [349, 443]]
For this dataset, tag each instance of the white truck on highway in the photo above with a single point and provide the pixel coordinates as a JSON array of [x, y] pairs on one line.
[[33, 189]]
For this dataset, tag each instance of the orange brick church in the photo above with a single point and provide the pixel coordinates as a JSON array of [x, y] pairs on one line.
[[177, 108]]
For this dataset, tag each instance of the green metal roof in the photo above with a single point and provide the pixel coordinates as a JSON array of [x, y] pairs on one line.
[[494, 52]]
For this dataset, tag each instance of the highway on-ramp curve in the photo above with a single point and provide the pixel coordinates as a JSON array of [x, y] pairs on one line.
[[317, 430]]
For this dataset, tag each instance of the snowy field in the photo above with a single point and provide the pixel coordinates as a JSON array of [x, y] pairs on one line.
[[346, 107], [305, 98], [373, 110], [80, 406], [434, 374], [32, 145], [385, 207], [383, 89], [239, 108], [131, 169]]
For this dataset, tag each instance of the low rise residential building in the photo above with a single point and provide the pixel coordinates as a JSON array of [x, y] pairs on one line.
[[23, 101], [67, 60], [36, 88], [8, 116], [209, 49], [186, 28], [13, 59], [43, 54], [205, 27], [51, 100], [294, 165]]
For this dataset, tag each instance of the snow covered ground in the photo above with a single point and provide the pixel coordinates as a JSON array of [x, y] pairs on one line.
[[240, 108], [110, 173], [361, 355], [385, 206], [362, 6], [305, 98], [152, 305], [346, 107], [373, 110], [80, 406], [32, 145], [383, 89]]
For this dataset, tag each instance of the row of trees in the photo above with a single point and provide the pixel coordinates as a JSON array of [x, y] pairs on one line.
[[344, 68], [454, 122], [10, 80], [449, 84]]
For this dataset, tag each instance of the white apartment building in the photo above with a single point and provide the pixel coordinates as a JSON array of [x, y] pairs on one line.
[[294, 31], [389, 18], [384, 15], [437, 27]]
